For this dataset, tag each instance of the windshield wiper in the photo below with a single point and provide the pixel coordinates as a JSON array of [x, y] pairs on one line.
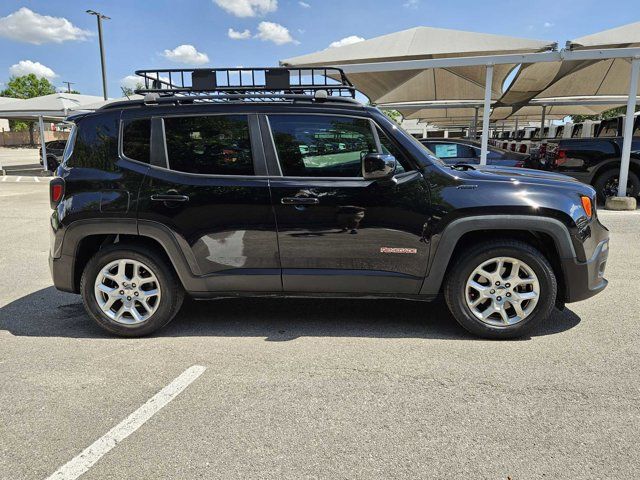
[[463, 166]]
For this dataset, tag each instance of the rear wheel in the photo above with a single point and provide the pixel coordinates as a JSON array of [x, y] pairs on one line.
[[501, 289], [606, 185], [130, 292]]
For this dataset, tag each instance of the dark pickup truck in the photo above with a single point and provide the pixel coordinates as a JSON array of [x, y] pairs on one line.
[[595, 161]]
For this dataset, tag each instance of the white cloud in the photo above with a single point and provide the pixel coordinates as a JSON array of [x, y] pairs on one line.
[[346, 41], [304, 4], [25, 67], [274, 32], [131, 81], [548, 24], [248, 8], [236, 35], [186, 54], [411, 4], [24, 25]]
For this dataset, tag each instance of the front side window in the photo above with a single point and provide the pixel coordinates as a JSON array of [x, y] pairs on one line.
[[136, 139], [321, 145], [209, 145]]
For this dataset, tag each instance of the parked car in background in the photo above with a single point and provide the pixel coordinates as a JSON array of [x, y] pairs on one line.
[[596, 160], [468, 151], [55, 149]]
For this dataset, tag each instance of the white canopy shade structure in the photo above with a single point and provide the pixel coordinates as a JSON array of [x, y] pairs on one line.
[[102, 103], [54, 107], [452, 83]]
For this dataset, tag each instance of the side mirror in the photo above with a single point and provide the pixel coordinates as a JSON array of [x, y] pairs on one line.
[[378, 166]]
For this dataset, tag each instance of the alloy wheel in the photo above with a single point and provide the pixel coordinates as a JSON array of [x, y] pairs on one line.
[[502, 291], [127, 291]]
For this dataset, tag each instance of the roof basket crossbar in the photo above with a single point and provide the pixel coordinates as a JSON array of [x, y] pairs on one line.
[[254, 83]]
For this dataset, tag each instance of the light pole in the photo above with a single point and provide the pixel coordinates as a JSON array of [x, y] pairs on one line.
[[100, 17]]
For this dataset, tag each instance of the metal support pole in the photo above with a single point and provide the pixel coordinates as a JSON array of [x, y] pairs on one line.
[[542, 120], [43, 144], [488, 82], [102, 62], [100, 17], [475, 123], [516, 126], [628, 128]]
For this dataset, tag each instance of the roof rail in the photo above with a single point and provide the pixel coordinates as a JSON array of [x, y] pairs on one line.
[[252, 83]]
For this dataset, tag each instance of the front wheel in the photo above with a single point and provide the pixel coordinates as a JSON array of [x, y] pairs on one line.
[[501, 289], [606, 185], [129, 291]]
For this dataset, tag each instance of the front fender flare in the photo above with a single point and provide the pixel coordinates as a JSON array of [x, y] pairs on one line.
[[445, 243]]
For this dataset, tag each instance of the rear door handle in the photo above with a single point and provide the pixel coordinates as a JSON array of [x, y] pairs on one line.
[[299, 201], [168, 197]]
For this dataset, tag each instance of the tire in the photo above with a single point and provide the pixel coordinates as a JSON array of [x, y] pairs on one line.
[[606, 185], [155, 273], [535, 271]]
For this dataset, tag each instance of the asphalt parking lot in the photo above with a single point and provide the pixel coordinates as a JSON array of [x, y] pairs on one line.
[[311, 389]]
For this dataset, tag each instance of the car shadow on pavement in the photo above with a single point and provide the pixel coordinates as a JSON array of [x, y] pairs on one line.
[[50, 313]]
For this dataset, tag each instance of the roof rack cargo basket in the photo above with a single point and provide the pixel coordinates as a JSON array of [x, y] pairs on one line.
[[252, 82]]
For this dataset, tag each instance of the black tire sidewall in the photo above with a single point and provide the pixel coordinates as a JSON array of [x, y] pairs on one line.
[[169, 302], [605, 177], [456, 285]]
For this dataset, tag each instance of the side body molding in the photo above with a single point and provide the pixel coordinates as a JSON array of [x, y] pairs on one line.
[[445, 243]]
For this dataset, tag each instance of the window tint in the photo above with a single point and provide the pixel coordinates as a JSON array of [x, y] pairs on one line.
[[96, 142], [212, 145], [136, 138], [391, 148], [321, 145]]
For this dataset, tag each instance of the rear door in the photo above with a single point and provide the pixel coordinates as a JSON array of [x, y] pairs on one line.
[[212, 193], [337, 232]]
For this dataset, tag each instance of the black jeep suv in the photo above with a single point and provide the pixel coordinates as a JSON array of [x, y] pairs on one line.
[[289, 188]]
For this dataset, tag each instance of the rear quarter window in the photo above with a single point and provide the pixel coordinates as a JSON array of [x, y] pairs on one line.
[[96, 142]]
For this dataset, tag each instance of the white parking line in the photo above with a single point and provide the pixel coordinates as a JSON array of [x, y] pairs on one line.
[[37, 180], [18, 179], [94, 452], [4, 178]]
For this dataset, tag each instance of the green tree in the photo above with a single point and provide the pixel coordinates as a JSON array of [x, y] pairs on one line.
[[27, 86], [612, 113], [394, 115], [128, 91]]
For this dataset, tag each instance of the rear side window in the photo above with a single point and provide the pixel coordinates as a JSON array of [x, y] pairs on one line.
[[209, 145], [608, 129], [136, 139], [321, 145]]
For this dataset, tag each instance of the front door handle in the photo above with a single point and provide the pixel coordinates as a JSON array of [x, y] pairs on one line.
[[299, 201], [169, 197]]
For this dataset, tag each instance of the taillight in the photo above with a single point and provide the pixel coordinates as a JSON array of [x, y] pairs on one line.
[[523, 148], [56, 192], [561, 157], [586, 205]]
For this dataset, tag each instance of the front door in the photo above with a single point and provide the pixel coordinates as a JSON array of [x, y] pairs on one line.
[[210, 194], [337, 232]]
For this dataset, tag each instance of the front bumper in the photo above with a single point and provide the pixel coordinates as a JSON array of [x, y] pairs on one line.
[[585, 279]]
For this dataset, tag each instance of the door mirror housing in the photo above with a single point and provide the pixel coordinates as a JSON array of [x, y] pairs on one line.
[[378, 166]]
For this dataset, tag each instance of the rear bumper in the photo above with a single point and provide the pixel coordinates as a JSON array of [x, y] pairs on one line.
[[585, 279]]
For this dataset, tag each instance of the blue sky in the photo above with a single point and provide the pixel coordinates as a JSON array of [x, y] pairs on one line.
[[145, 34]]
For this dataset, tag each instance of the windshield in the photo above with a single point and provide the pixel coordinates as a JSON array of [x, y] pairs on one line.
[[401, 131]]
